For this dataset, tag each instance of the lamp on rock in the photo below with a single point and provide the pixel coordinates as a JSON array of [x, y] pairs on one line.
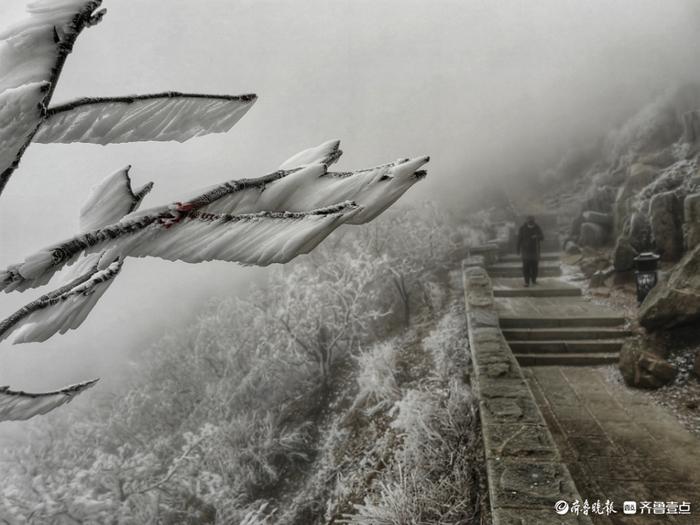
[[645, 275]]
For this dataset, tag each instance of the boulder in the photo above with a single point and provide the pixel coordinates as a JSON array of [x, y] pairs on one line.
[[642, 367], [625, 280], [571, 248], [677, 300], [576, 227], [601, 198], [592, 234], [600, 276], [640, 232], [660, 158], [604, 219], [639, 176], [665, 220], [624, 254], [691, 221], [571, 259], [591, 265]]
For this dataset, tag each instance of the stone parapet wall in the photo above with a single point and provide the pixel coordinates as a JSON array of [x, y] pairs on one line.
[[525, 471], [488, 252]]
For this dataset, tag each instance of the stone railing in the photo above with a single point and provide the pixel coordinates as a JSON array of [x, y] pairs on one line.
[[484, 254], [489, 252], [525, 471]]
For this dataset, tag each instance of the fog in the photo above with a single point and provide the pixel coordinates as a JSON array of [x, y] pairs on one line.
[[490, 89]]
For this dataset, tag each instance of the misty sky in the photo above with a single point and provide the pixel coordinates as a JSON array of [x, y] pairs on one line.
[[487, 88]]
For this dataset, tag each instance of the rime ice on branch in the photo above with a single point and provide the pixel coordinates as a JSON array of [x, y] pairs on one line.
[[185, 228], [260, 221], [17, 405], [32, 55]]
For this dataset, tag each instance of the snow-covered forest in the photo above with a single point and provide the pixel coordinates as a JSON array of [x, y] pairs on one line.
[[335, 391]]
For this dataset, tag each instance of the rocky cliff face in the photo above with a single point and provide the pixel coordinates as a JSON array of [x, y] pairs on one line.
[[638, 190], [677, 301]]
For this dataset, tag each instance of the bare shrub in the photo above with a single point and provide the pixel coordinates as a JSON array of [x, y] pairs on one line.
[[448, 344], [376, 377]]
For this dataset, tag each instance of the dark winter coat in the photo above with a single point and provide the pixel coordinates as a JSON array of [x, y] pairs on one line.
[[529, 239]]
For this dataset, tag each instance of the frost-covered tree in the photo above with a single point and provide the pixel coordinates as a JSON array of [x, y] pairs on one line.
[[225, 421], [431, 240], [327, 315]]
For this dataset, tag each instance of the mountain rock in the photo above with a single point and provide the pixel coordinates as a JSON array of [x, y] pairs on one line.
[[604, 219], [665, 219], [601, 198], [592, 234], [599, 278], [571, 248], [640, 232], [677, 300], [691, 221], [590, 265], [639, 176], [642, 367], [660, 159], [624, 254]]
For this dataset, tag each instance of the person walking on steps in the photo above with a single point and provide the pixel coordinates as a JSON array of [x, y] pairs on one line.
[[529, 239]]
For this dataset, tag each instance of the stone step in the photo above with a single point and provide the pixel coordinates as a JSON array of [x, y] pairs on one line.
[[546, 287], [560, 322], [566, 347], [536, 291], [515, 269], [518, 265], [567, 359], [545, 256], [564, 334]]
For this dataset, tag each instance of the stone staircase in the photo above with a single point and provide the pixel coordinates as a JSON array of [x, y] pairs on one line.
[[565, 341], [566, 431], [551, 324], [545, 256], [514, 269]]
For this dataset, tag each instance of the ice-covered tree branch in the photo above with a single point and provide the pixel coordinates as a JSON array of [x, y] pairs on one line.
[[19, 405], [109, 219], [33, 53]]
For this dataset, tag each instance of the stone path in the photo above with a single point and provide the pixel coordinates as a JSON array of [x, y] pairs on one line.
[[616, 444]]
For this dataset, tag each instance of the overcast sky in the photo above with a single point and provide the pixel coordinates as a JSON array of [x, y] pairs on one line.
[[488, 88]]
